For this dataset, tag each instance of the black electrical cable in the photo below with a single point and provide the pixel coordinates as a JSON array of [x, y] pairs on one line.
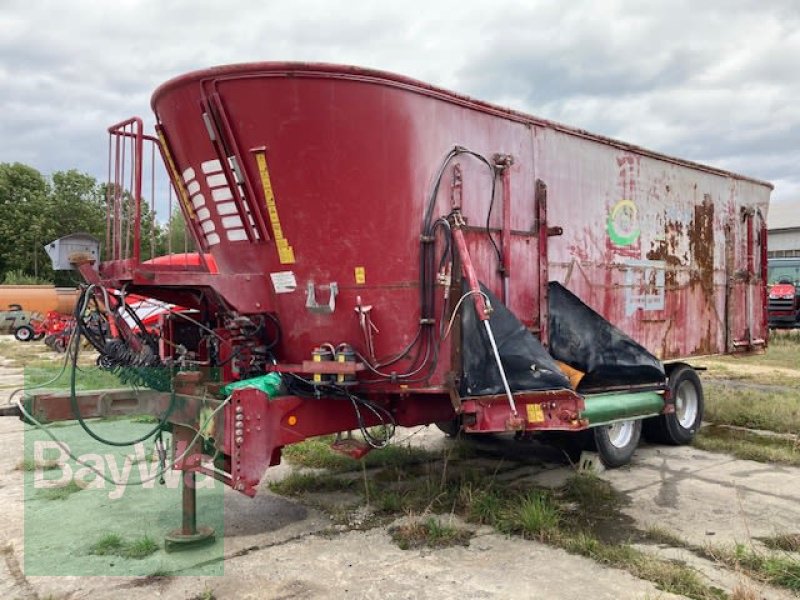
[[497, 250], [425, 339], [303, 387], [162, 422]]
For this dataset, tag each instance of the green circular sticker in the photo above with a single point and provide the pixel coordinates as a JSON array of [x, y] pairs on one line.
[[623, 223]]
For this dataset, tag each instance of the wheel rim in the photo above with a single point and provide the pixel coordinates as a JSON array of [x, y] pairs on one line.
[[620, 433], [23, 334], [686, 404]]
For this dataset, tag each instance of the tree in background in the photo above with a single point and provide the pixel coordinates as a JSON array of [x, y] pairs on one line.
[[34, 211], [23, 216], [151, 231], [176, 238]]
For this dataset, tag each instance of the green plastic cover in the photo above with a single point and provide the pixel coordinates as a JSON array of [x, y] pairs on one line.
[[270, 384]]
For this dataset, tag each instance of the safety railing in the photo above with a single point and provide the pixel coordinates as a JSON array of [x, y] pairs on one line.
[[141, 188]]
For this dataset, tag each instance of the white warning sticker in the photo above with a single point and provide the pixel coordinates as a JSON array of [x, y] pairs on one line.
[[284, 282]]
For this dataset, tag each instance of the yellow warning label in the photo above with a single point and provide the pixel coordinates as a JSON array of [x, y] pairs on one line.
[[176, 178], [361, 275], [285, 251], [535, 413]]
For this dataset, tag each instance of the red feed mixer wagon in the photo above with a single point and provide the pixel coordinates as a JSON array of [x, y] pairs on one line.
[[389, 253]]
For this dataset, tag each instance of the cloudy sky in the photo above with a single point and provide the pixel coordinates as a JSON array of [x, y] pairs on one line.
[[716, 81]]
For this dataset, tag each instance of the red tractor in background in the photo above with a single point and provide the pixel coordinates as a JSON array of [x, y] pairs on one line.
[[784, 293], [19, 322]]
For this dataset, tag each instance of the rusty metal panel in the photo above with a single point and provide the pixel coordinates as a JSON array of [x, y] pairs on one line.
[[660, 249]]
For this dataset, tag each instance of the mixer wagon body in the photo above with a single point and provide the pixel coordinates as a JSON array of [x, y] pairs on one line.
[[400, 254], [669, 251]]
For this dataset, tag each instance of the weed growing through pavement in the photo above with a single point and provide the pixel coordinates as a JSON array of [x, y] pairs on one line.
[[788, 542], [60, 493], [535, 515], [773, 566], [575, 517], [206, 594], [430, 533], [30, 464], [114, 545]]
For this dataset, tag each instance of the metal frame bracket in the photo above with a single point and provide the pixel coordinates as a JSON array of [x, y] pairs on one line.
[[311, 298]]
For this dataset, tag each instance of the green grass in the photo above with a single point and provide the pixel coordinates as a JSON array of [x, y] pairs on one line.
[[788, 542], [748, 446], [782, 352], [20, 277], [316, 453], [28, 464], [481, 505], [206, 594], [576, 518], [60, 493], [756, 409], [773, 568], [140, 547], [669, 576], [144, 419], [591, 495], [535, 515], [114, 545], [660, 535], [109, 544], [429, 534], [91, 378], [297, 484]]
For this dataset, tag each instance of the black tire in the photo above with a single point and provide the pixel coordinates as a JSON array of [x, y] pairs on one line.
[[59, 345], [450, 428], [679, 427], [38, 337], [24, 333], [104, 362], [616, 443]]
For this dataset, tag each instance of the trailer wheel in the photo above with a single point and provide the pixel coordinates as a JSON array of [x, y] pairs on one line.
[[450, 428], [59, 346], [679, 428], [24, 333], [617, 442]]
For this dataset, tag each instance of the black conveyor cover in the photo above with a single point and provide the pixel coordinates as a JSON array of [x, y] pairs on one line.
[[586, 341], [527, 364]]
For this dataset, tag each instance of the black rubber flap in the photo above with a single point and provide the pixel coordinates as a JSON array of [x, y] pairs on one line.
[[586, 341], [527, 364]]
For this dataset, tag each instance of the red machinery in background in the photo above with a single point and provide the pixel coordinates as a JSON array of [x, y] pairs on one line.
[[402, 255], [56, 329]]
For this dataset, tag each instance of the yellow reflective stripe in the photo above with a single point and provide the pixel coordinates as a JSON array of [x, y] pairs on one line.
[[173, 171], [285, 251]]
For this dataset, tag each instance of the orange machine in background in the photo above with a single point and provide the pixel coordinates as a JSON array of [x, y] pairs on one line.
[[39, 298]]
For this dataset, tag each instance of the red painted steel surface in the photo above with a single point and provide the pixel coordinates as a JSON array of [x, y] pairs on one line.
[[657, 245], [258, 427]]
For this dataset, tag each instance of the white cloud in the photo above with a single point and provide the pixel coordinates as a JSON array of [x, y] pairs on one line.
[[715, 82]]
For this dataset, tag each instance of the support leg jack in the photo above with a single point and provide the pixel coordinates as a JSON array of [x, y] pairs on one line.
[[189, 535]]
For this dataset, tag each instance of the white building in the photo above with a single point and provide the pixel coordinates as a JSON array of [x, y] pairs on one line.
[[783, 237]]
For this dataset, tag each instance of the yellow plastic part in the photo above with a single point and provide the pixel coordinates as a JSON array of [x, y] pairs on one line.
[[574, 375]]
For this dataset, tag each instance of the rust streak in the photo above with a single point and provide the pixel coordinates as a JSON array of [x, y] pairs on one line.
[[701, 246]]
